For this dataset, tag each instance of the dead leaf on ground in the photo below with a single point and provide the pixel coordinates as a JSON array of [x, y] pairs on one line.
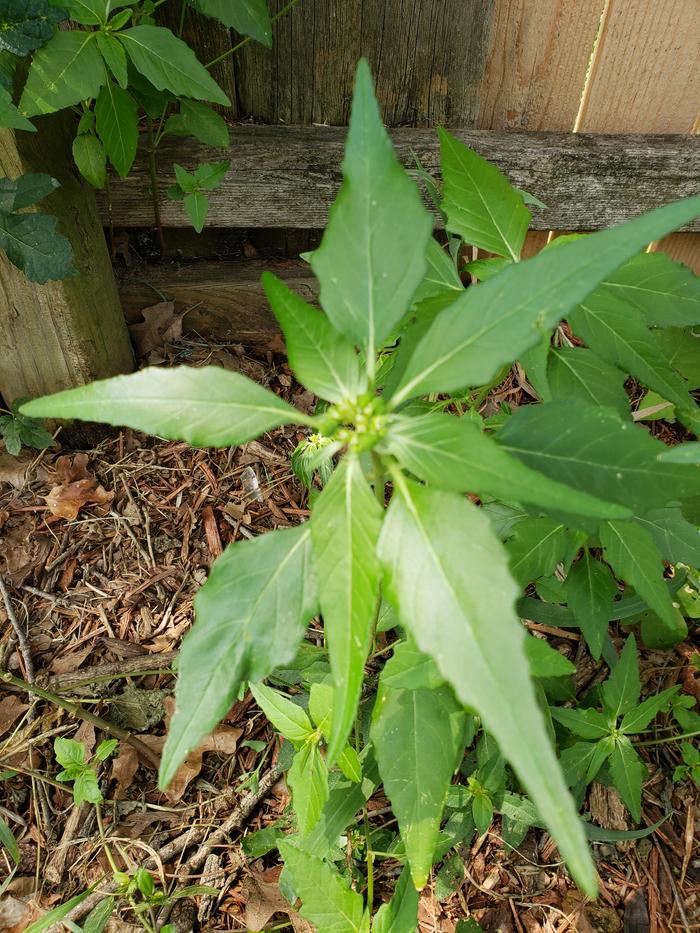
[[11, 708], [14, 470], [263, 899], [76, 488], [159, 327]]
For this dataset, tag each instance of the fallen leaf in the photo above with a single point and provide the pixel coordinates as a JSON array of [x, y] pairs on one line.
[[14, 470], [124, 768], [160, 326], [11, 708], [66, 501], [263, 899]]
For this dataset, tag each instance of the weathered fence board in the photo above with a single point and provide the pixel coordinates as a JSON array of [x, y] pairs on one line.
[[288, 176]]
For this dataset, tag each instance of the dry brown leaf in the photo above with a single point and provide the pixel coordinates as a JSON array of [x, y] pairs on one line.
[[65, 501], [124, 768], [160, 326], [71, 660], [263, 899], [11, 708], [14, 470], [15, 914]]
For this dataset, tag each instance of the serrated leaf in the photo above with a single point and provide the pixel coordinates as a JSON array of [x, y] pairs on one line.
[[115, 57], [630, 550], [578, 373], [590, 590], [185, 179], [9, 430], [207, 407], [249, 618], [210, 174], [493, 324], [417, 737], [86, 788], [248, 17], [637, 719], [25, 190], [546, 661], [457, 456], [345, 524], [169, 64], [622, 688], [677, 539], [286, 716], [480, 204], [588, 723], [204, 124], [628, 772], [596, 450], [308, 781], [197, 208], [372, 256], [10, 117], [400, 914], [117, 126], [27, 24], [33, 244], [535, 548], [461, 612], [321, 358], [326, 899], [667, 293], [89, 156], [67, 70], [619, 335]]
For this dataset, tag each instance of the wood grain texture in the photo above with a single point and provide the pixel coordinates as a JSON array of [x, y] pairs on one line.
[[647, 79], [427, 57], [60, 334], [538, 52], [288, 176]]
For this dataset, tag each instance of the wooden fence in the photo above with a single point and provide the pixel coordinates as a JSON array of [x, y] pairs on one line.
[[518, 77]]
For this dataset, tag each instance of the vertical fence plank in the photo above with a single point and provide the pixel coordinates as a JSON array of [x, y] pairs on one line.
[[647, 80]]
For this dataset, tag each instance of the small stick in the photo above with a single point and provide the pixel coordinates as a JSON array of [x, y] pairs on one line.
[[141, 664], [19, 632]]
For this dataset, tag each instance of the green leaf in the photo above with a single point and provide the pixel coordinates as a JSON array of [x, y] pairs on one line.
[[637, 719], [582, 761], [327, 901], [86, 788], [596, 450], [249, 618], [447, 574], [631, 552], [479, 202], [96, 920], [211, 174], [482, 809], [86, 12], [321, 358], [620, 336], [10, 117], [204, 124], [9, 430], [197, 207], [677, 540], [345, 524], [457, 456], [682, 453], [681, 350], [248, 17], [308, 781], [417, 736], [372, 256], [546, 661], [493, 324], [67, 70], [90, 158], [485, 269], [185, 179], [535, 548], [27, 24], [410, 669], [8, 840], [590, 590], [32, 243], [628, 772], [577, 373], [287, 717], [588, 723], [106, 748], [115, 57], [58, 913], [207, 407], [25, 190], [622, 688], [440, 276], [170, 64], [667, 293], [117, 126], [349, 764], [400, 914]]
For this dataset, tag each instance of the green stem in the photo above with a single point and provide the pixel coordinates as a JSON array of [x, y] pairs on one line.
[[239, 45], [370, 860], [670, 738], [153, 172], [103, 839], [75, 710]]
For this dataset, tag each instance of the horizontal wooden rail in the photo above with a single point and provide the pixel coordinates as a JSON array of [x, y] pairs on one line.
[[287, 176]]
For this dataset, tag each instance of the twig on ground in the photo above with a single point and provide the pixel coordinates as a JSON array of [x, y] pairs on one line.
[[140, 664], [19, 632]]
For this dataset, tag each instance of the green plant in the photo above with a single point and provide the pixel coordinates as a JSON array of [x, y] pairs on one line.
[[29, 238], [17, 429], [119, 70], [71, 755], [397, 342], [190, 188]]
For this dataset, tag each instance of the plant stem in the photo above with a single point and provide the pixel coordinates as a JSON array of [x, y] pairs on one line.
[[670, 738], [75, 710], [103, 839], [370, 860], [239, 45], [153, 172]]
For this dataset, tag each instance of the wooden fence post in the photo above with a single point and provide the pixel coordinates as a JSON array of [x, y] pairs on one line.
[[65, 333]]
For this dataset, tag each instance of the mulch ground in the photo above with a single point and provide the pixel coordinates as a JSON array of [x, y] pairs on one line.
[[101, 554]]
